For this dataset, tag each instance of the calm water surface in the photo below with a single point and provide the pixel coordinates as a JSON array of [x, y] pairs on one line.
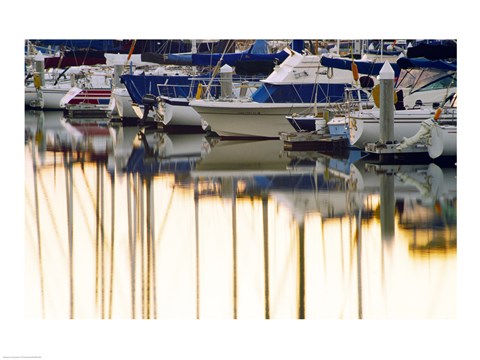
[[146, 225]]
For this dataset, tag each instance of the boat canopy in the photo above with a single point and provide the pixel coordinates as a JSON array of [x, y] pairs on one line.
[[301, 93], [433, 49], [364, 67], [423, 63]]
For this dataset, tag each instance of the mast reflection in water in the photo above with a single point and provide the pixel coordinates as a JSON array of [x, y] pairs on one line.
[[122, 223]]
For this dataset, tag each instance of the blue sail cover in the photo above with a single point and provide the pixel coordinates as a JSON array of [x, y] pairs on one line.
[[168, 85], [176, 86], [364, 67], [233, 58], [423, 63], [258, 52]]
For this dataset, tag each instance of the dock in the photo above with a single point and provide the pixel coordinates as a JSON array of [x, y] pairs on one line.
[[313, 141], [87, 111]]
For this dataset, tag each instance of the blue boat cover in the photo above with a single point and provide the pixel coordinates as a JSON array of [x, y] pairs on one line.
[[177, 86], [181, 86], [257, 52], [364, 67], [232, 58], [300, 93], [409, 63]]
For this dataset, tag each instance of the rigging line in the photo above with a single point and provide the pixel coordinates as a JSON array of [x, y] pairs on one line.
[[298, 94], [74, 53], [315, 100], [86, 53], [216, 69]]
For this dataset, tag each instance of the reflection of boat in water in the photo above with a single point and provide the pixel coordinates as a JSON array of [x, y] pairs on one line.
[[225, 243], [304, 186], [423, 197], [149, 151], [165, 153], [227, 156], [90, 136], [428, 180], [56, 133]]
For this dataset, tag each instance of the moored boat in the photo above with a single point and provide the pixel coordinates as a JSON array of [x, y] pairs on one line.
[[290, 88]]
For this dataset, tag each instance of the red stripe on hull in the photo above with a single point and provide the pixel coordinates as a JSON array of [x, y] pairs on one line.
[[91, 96]]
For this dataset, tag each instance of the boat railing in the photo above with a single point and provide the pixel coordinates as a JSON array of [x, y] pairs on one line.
[[204, 88], [355, 99], [182, 90], [200, 88]]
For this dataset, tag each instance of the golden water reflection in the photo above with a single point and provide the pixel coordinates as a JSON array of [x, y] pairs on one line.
[[115, 229]]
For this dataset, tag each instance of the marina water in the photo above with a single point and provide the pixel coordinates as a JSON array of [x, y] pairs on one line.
[[132, 223]]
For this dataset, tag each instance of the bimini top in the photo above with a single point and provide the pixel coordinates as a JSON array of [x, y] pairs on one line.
[[423, 63]]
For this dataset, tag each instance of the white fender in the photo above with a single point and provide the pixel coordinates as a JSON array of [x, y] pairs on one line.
[[435, 145]]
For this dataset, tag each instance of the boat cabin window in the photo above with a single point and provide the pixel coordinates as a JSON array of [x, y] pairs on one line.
[[442, 83], [426, 79]]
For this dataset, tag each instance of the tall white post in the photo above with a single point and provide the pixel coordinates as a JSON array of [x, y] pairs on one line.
[[40, 69], [226, 78], [117, 72], [387, 107]]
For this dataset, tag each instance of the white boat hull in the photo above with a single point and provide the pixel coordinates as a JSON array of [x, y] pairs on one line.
[[364, 127], [248, 119], [178, 112], [444, 141], [123, 103], [51, 96]]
